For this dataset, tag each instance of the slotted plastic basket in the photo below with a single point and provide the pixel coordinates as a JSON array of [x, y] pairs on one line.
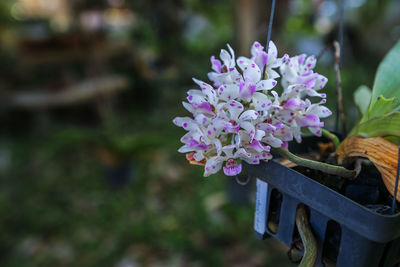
[[347, 233]]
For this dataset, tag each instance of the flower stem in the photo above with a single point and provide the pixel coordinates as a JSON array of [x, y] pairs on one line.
[[331, 137], [316, 165]]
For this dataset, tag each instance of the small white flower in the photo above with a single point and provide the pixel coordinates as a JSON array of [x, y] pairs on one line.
[[225, 72]]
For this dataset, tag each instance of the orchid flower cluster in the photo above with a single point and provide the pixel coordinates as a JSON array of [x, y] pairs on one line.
[[240, 116]]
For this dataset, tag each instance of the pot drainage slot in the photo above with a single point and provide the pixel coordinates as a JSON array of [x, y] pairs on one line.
[[385, 259], [333, 235], [274, 210]]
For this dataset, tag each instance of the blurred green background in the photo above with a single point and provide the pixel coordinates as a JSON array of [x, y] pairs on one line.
[[89, 169]]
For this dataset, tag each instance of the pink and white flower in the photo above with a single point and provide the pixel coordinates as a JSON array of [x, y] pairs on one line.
[[239, 118], [224, 72]]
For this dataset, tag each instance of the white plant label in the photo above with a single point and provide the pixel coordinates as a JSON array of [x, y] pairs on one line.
[[261, 206]]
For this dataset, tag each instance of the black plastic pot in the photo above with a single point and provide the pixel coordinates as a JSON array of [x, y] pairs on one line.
[[347, 233]]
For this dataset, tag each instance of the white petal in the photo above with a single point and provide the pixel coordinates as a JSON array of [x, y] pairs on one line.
[[261, 101], [185, 149], [202, 84], [312, 92], [225, 57], [285, 134], [250, 129], [202, 120], [198, 156], [320, 82], [265, 84], [207, 90], [200, 104], [213, 165], [259, 135], [184, 122], [234, 109], [315, 130], [272, 74], [278, 62], [228, 92], [253, 159], [213, 76], [247, 89], [272, 51], [195, 98], [248, 115], [276, 102], [214, 130], [218, 146], [321, 111], [295, 104], [310, 62], [255, 48], [258, 147], [186, 137], [188, 107], [252, 72], [265, 156], [297, 135], [243, 62], [272, 141], [232, 64], [292, 91], [242, 153], [266, 127]]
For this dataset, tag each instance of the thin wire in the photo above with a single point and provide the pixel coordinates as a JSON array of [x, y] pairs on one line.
[[397, 183], [271, 19]]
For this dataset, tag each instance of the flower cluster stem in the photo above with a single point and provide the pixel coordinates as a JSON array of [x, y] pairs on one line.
[[316, 165], [331, 137]]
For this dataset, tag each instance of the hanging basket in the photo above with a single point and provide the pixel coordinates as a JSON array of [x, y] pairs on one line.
[[347, 233]]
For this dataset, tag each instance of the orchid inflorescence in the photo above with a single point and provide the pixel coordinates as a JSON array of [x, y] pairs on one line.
[[240, 117]]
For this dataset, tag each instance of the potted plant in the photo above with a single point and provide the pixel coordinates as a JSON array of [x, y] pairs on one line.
[[240, 118]]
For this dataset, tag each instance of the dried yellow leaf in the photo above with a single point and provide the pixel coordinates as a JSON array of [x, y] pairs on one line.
[[382, 153]]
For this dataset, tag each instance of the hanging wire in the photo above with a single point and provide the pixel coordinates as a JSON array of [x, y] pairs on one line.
[[242, 179], [271, 19], [397, 183]]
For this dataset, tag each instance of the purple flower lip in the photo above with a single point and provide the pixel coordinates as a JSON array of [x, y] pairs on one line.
[[232, 168]]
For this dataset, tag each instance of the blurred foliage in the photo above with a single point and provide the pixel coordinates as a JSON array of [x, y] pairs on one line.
[[167, 214]]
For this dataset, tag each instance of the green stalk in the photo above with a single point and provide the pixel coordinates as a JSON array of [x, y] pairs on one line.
[[331, 137], [316, 165]]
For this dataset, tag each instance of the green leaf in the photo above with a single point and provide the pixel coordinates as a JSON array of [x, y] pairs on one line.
[[382, 117], [362, 97], [387, 78], [384, 125], [381, 106]]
